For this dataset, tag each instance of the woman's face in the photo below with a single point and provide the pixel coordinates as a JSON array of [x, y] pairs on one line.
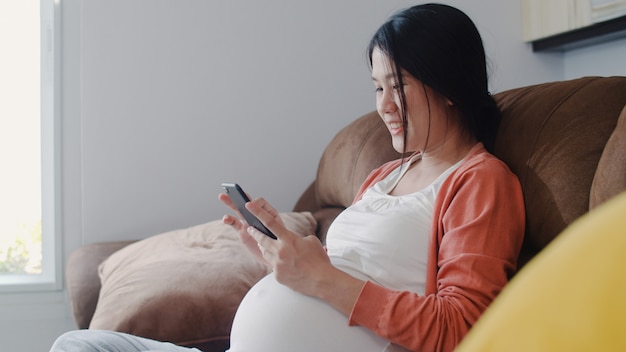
[[426, 110]]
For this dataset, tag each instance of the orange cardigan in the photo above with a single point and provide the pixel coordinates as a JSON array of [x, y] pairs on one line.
[[475, 238]]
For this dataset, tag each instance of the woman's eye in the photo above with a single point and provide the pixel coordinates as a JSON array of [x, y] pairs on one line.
[[378, 89]]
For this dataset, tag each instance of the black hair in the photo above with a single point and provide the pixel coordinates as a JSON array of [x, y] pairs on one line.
[[440, 46]]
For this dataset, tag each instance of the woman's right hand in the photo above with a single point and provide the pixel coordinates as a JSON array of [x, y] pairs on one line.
[[241, 226]]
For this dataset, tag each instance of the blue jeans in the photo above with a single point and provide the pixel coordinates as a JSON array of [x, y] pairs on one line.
[[111, 341]]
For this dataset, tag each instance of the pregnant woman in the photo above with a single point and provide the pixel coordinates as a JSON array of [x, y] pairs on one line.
[[428, 242]]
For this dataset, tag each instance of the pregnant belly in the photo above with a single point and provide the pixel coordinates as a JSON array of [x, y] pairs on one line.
[[272, 317]]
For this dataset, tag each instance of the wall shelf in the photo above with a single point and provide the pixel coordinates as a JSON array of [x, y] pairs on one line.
[[581, 37]]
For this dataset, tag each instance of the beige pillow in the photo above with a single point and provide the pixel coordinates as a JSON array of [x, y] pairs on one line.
[[182, 286], [610, 177]]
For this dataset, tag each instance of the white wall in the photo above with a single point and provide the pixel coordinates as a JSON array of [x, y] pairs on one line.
[[165, 99], [179, 96], [606, 59]]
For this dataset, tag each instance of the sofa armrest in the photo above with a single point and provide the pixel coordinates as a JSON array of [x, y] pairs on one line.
[[308, 200], [83, 282]]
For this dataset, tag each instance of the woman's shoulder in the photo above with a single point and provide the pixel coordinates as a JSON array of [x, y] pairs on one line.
[[482, 161], [484, 177]]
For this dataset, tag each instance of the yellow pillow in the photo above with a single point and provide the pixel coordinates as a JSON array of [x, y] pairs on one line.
[[571, 297]]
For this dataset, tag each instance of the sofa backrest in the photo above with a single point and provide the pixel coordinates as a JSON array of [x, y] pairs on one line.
[[552, 135]]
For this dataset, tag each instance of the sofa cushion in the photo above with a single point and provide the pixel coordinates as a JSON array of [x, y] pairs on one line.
[[610, 177], [552, 136], [350, 156], [182, 286], [83, 283], [570, 297]]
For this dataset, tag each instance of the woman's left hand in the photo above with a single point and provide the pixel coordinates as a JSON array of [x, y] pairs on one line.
[[300, 263]]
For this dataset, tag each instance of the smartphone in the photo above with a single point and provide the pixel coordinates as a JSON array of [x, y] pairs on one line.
[[239, 198]]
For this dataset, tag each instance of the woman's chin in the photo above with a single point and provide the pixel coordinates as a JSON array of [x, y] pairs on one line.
[[398, 145]]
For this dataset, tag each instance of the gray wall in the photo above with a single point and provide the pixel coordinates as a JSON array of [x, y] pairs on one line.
[[605, 59], [178, 97], [165, 99]]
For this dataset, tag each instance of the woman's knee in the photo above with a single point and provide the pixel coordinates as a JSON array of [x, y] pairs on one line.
[[77, 340], [105, 341], [95, 341]]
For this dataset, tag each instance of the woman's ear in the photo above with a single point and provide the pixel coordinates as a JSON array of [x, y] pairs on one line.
[[449, 102]]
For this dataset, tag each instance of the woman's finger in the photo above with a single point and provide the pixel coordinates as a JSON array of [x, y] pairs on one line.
[[266, 206], [262, 239], [232, 221], [268, 216], [224, 198]]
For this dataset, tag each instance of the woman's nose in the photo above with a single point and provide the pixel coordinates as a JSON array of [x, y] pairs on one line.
[[386, 102]]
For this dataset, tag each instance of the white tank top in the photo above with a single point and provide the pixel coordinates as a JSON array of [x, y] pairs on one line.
[[385, 237]]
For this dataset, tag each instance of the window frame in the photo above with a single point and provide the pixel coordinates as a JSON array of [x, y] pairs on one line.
[[50, 278]]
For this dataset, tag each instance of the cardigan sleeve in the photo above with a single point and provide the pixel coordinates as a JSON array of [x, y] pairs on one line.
[[475, 242]]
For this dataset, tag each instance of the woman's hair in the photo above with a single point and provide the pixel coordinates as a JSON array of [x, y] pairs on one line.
[[440, 46]]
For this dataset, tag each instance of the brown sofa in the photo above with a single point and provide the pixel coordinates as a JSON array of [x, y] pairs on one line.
[[566, 141]]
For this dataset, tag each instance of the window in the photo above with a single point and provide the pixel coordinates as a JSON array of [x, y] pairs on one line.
[[29, 245]]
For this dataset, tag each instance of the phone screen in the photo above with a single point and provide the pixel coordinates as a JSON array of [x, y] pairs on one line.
[[239, 198]]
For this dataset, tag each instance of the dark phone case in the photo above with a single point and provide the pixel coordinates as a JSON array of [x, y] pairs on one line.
[[239, 198]]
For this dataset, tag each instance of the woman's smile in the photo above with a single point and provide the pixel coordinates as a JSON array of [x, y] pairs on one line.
[[395, 127]]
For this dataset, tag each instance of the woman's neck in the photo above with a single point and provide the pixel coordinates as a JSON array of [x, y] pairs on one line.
[[453, 148]]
